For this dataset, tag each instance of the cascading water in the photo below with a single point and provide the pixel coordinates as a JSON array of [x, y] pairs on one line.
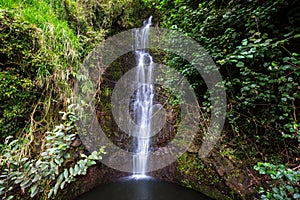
[[143, 101], [141, 107]]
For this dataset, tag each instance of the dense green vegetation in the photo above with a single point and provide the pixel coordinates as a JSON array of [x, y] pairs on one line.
[[256, 47], [254, 43], [42, 44]]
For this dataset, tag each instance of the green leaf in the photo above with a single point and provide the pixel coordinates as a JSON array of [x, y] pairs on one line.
[[10, 197], [66, 173], [262, 171], [44, 154], [50, 193], [297, 36], [83, 155], [290, 188], [76, 169], [296, 196], [275, 189], [67, 155], [19, 180], [25, 184], [62, 185], [71, 171], [240, 64], [290, 177], [244, 42], [57, 161], [36, 178], [257, 41], [278, 196], [44, 167], [60, 178], [34, 190], [91, 162], [93, 157], [58, 182]]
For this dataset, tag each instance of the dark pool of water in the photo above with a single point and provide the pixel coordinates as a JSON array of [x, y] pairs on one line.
[[142, 189]]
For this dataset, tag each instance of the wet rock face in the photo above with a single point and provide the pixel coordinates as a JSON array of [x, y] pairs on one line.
[[215, 176], [174, 174], [236, 179]]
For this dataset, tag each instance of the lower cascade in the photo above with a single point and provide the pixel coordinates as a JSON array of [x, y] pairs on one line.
[[143, 100]]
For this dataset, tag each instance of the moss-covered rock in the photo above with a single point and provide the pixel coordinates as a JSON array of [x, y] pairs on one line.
[[199, 175]]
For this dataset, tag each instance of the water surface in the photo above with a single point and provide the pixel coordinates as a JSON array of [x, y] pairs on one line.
[[142, 189]]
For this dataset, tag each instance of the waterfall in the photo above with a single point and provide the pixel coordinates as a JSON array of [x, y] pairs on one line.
[[143, 101]]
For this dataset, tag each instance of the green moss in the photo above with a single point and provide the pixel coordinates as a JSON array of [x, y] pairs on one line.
[[192, 166], [202, 177]]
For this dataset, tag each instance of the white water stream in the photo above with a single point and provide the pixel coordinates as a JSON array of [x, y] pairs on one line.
[[143, 102]]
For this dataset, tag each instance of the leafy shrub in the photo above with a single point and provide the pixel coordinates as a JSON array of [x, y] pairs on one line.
[[16, 96], [255, 45], [284, 182], [18, 46], [42, 43], [49, 171]]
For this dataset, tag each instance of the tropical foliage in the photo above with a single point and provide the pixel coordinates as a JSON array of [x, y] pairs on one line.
[[254, 43], [49, 171], [42, 44]]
